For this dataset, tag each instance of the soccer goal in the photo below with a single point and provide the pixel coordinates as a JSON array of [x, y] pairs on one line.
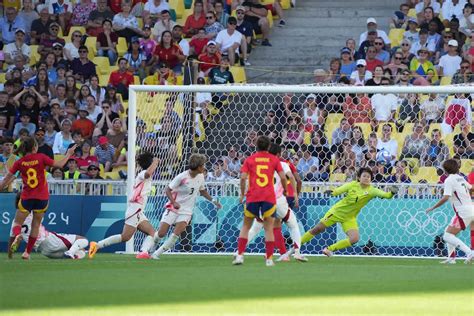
[[311, 123]]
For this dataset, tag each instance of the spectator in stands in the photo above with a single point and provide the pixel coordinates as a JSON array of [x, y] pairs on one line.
[[377, 75], [399, 19], [198, 43], [121, 78], [40, 26], [457, 109], [212, 26], [195, 21], [320, 150], [432, 109], [136, 59], [116, 135], [125, 24], [4, 132], [436, 153], [162, 76], [422, 70], [464, 141], [221, 15], [464, 74], [163, 23], [381, 53], [344, 131], [93, 173], [244, 27], [104, 120], [169, 52], [313, 117], [71, 50], [61, 12], [434, 35], [293, 135], [256, 14], [371, 26], [371, 59], [357, 109], [345, 157], [107, 42], [384, 106], [92, 108], [84, 158], [409, 111], [217, 173], [428, 16], [397, 67], [333, 75], [105, 153], [97, 91], [361, 75], [147, 44], [177, 34], [97, 17], [10, 24], [371, 36], [359, 146], [114, 100], [28, 14], [17, 48], [24, 123], [407, 56], [63, 139], [411, 34], [57, 174], [84, 92], [221, 74], [386, 143], [348, 66], [82, 11], [83, 125], [400, 175], [416, 143], [308, 167], [269, 127], [466, 22], [450, 63], [47, 41], [454, 29], [423, 43], [232, 162], [152, 10], [83, 68], [8, 109], [72, 172], [232, 43], [452, 9], [422, 5]]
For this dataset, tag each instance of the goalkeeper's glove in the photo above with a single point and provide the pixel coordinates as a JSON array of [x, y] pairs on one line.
[[394, 189]]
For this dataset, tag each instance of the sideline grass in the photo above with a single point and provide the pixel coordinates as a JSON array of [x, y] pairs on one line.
[[205, 285]]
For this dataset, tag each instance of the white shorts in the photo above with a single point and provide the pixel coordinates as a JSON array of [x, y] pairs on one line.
[[55, 245], [135, 215], [461, 222], [282, 207], [171, 218]]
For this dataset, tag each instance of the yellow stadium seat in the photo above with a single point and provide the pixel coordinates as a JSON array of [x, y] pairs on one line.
[[426, 173], [104, 79], [121, 168], [136, 80], [412, 13], [408, 128], [337, 177], [178, 7], [270, 18], [91, 44], [396, 36], [2, 77], [102, 65], [334, 118], [400, 138], [467, 166], [34, 56], [112, 175], [140, 23], [445, 80], [179, 80], [307, 138], [58, 157], [422, 98], [73, 29], [239, 74], [285, 4], [122, 46]]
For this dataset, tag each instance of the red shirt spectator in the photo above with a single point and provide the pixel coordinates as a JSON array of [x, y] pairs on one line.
[[198, 45], [83, 125], [371, 64], [357, 109], [168, 55], [121, 77], [210, 58], [195, 21]]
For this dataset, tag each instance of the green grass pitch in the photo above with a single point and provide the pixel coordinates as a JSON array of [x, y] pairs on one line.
[[210, 285]]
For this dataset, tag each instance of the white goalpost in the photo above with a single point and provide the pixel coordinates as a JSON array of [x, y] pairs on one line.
[[222, 121]]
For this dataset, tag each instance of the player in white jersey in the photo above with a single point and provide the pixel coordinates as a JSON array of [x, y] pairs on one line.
[[458, 191], [135, 216], [283, 211], [182, 193]]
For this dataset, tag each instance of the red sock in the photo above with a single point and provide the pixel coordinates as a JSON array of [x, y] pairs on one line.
[[279, 240], [31, 243], [472, 239], [269, 249], [241, 245], [453, 254], [16, 230]]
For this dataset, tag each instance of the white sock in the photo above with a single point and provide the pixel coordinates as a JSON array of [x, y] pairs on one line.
[[147, 244], [167, 244], [254, 230], [109, 241], [294, 231], [79, 244], [456, 242], [451, 251]]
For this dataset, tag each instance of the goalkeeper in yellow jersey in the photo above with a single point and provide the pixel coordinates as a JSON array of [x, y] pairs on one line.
[[344, 212]]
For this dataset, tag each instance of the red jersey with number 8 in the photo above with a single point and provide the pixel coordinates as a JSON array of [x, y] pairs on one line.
[[260, 167], [33, 174]]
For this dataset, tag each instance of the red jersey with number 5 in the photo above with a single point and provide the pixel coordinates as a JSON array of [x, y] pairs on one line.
[[33, 174], [260, 167]]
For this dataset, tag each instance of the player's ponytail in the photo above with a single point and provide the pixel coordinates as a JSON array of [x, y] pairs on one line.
[[27, 146]]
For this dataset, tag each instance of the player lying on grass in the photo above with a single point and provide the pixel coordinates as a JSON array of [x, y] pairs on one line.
[[258, 170], [458, 191], [50, 244], [182, 193], [283, 212], [135, 216], [34, 193], [344, 212]]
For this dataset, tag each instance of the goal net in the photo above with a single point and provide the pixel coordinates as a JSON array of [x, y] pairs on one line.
[[402, 133]]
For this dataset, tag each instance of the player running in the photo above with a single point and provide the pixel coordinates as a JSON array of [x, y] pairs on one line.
[[344, 212], [259, 169], [458, 191], [283, 213], [135, 216], [182, 193], [35, 193]]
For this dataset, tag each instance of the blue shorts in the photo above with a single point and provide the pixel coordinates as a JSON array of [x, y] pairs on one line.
[[291, 202], [33, 205], [259, 210]]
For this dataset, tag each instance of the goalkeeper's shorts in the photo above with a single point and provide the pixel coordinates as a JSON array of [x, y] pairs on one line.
[[331, 218]]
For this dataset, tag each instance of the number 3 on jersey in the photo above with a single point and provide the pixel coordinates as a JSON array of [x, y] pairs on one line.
[[32, 178], [262, 180]]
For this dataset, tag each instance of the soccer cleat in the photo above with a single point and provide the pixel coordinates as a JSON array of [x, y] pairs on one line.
[[266, 42], [299, 257], [469, 258], [16, 242], [284, 257], [239, 259], [282, 23], [92, 249], [327, 252], [143, 255], [67, 255], [449, 261], [25, 256], [155, 256], [269, 263]]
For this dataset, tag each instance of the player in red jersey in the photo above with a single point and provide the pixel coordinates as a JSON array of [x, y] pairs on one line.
[[35, 193], [258, 169]]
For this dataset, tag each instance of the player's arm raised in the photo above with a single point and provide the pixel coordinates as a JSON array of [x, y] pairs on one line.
[[386, 195], [62, 162], [151, 169], [208, 197], [243, 185], [443, 200], [339, 190]]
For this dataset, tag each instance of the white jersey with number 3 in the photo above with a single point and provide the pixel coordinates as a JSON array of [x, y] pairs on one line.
[[26, 230], [278, 186], [185, 190], [141, 189], [458, 189]]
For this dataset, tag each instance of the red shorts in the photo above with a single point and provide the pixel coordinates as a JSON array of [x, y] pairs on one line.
[[461, 222]]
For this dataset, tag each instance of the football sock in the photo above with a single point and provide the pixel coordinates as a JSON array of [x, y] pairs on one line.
[[16, 230], [341, 244], [30, 244], [451, 251], [456, 242], [306, 237], [241, 245], [269, 249], [112, 240], [254, 230], [472, 239], [167, 244], [79, 244], [148, 243], [294, 229], [279, 240]]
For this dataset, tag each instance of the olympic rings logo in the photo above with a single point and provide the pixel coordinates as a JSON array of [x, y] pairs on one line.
[[421, 223]]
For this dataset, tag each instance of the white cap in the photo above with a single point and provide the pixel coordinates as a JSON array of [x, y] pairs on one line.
[[211, 43], [453, 42], [311, 96], [371, 20], [361, 62], [319, 72]]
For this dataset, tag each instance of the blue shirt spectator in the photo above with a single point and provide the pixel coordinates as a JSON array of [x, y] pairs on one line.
[[10, 24]]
